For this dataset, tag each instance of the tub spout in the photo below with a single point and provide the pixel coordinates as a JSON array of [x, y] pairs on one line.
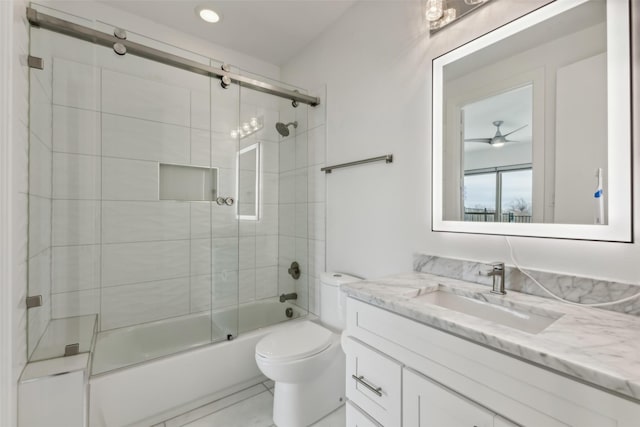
[[285, 297]]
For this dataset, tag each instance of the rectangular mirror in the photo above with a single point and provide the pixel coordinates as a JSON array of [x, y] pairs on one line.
[[248, 182], [532, 127]]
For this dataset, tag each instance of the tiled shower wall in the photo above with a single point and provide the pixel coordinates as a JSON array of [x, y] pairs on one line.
[[302, 201]]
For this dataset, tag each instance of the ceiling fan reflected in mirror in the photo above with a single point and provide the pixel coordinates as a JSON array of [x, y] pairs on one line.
[[498, 139]]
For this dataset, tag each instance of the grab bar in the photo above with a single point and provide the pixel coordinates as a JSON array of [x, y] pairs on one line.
[[387, 159]]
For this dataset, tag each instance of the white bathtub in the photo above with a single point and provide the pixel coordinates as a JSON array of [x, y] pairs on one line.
[[147, 376]]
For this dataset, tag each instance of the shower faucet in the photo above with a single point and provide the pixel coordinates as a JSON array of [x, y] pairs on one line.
[[286, 297]]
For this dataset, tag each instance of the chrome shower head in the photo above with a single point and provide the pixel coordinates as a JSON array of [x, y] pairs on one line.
[[284, 129]]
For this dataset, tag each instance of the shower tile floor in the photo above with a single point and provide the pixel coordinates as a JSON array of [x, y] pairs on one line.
[[250, 407]]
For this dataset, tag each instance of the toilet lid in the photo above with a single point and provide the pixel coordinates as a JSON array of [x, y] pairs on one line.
[[295, 342]]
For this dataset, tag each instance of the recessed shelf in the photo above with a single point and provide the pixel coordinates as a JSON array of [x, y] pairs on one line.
[[187, 183]]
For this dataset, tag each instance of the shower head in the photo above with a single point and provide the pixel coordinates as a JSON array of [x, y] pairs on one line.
[[284, 129]]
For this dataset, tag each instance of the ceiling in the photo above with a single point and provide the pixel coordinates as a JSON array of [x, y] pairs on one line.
[[272, 30], [513, 107]]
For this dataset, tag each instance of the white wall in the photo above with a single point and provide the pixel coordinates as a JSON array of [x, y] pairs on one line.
[[376, 62], [13, 203]]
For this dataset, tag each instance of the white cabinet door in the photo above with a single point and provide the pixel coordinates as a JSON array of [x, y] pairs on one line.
[[427, 404], [356, 418]]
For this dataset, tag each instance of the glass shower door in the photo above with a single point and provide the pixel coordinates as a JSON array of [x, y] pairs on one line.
[[132, 227]]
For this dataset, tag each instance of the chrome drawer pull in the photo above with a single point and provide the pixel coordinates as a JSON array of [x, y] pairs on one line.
[[360, 380]]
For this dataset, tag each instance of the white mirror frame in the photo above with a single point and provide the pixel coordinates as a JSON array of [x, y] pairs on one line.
[[619, 227]]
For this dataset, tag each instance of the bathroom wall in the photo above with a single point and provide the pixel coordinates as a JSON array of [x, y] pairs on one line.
[[376, 63], [14, 119]]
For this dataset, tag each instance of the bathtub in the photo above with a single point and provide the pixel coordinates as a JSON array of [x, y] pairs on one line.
[[149, 369]]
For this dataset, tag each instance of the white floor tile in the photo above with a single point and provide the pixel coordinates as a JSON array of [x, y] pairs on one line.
[[212, 407], [335, 419], [253, 412]]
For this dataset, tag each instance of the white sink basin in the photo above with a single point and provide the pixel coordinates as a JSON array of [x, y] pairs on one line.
[[520, 318]]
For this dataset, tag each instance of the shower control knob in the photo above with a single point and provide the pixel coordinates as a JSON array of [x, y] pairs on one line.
[[229, 201]]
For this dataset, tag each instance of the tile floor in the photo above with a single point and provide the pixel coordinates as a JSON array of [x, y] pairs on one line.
[[251, 407]]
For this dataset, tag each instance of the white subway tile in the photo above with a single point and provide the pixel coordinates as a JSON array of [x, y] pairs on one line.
[[39, 169], [301, 220], [266, 251], [76, 303], [269, 186], [131, 96], [266, 282], [76, 176], [301, 148], [131, 138], [200, 295], [268, 221], [223, 150], [137, 262], [269, 117], [76, 85], [317, 221], [316, 257], [288, 154], [200, 147], [75, 268], [129, 179], [39, 224], [200, 254], [76, 130], [247, 253], [317, 115], [247, 285], [76, 222], [144, 302], [316, 185], [225, 289], [286, 249], [317, 146], [224, 222], [270, 157], [300, 178], [200, 217], [200, 108], [287, 190], [144, 221], [225, 254], [287, 220]]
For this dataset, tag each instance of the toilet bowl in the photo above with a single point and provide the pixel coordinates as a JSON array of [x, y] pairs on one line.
[[306, 362]]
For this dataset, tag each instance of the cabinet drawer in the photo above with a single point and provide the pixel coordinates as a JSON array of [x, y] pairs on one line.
[[374, 382], [357, 418]]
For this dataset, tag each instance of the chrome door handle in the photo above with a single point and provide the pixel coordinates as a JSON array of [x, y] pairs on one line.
[[361, 380], [229, 201]]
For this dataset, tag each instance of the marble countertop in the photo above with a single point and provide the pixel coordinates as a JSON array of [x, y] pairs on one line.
[[596, 346]]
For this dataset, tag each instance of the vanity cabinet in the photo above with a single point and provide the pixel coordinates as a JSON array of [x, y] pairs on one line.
[[403, 373], [428, 404]]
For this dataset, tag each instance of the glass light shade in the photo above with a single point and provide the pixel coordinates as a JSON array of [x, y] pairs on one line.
[[434, 10]]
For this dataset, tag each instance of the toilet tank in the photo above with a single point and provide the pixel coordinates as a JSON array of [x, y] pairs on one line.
[[332, 301]]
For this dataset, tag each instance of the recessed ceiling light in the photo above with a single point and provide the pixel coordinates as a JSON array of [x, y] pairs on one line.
[[207, 14]]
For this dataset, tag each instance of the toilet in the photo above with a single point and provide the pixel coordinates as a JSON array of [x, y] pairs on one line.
[[306, 362]]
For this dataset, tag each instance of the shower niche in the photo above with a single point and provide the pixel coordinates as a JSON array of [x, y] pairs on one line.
[[187, 183]]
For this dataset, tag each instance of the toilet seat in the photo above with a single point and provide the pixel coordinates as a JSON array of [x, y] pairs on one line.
[[295, 342]]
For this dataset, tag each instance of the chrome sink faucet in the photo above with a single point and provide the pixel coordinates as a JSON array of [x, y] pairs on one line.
[[497, 273]]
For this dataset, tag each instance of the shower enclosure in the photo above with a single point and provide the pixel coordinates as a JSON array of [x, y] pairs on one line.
[[165, 210]]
